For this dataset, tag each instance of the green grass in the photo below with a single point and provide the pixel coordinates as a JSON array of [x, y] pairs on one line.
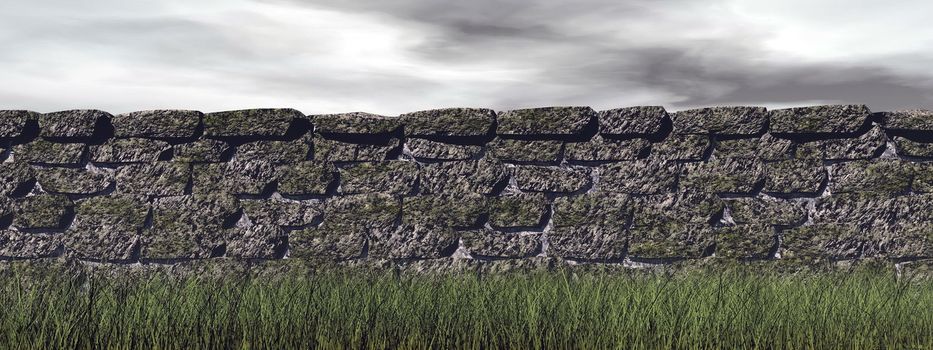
[[731, 309]]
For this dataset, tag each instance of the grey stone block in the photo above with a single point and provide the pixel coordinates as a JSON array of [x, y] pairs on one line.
[[42, 211], [536, 178], [721, 121], [449, 122], [265, 122], [355, 123], [427, 149], [73, 180], [545, 121], [723, 175], [490, 243], [471, 176], [237, 177], [306, 178], [819, 119], [639, 120], [588, 242], [200, 151], [394, 177], [41, 151], [639, 177], [70, 123], [133, 150], [275, 152], [157, 124], [13, 122], [601, 149], [509, 150]]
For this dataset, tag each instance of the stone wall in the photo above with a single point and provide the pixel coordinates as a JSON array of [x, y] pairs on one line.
[[630, 186]]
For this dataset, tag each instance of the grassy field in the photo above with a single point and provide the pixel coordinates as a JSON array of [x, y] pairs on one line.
[[730, 309]]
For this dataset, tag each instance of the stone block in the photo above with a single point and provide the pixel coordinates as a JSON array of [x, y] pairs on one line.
[[721, 121], [545, 121], [154, 179], [236, 177], [639, 120], [827, 119], [765, 148], [70, 123], [588, 242], [433, 150], [41, 151], [463, 210], [517, 210], [861, 209], [494, 244], [822, 242], [255, 242], [275, 152], [671, 240], [134, 150], [394, 177], [724, 175], [200, 151], [338, 151], [681, 147], [794, 177], [157, 124], [868, 145], [767, 211], [595, 208], [188, 227], [13, 122], [367, 210], [14, 176], [306, 178], [554, 179], [471, 176], [282, 212], [106, 227], [413, 241], [266, 122], [355, 123], [684, 207], [42, 211], [886, 177], [28, 245], [509, 150], [73, 180], [745, 241], [333, 241], [599, 149], [447, 122], [647, 176], [908, 120]]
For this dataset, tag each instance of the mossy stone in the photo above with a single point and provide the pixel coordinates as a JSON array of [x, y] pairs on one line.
[[131, 150], [433, 150], [282, 212], [908, 120], [601, 149], [545, 121], [339, 151], [510, 150], [355, 123], [491, 243], [368, 210], [517, 210], [275, 152], [191, 226], [44, 211], [670, 241], [745, 241], [394, 177], [41, 151], [765, 148], [70, 123], [822, 242], [331, 240], [73, 180], [157, 124], [250, 122], [595, 208], [553, 179], [448, 122], [638, 120], [862, 209], [794, 177], [767, 210], [255, 242], [887, 177], [154, 179], [236, 177], [413, 241], [723, 175], [107, 227], [13, 122], [14, 176], [682, 147], [644, 176], [469, 176], [28, 245], [739, 120], [868, 145], [689, 207], [590, 242], [458, 210], [306, 178], [200, 151], [824, 119]]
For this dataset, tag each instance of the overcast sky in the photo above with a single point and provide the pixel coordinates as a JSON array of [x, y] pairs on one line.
[[390, 57]]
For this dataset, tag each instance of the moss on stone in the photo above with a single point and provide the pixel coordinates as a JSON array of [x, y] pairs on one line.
[[154, 179], [157, 124], [721, 120], [536, 178], [236, 177], [200, 151], [449, 122], [73, 180], [544, 121], [394, 177], [275, 152], [41, 151], [510, 150], [42, 211], [131, 150], [250, 122], [460, 210], [306, 178]]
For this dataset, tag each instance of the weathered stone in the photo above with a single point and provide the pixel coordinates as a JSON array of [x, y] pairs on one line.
[[12, 122], [862, 209], [306, 178], [427, 149], [237, 177], [640, 120], [685, 207], [794, 177], [255, 242], [14, 176], [639, 177], [73, 180], [71, 123], [745, 241], [671, 240], [367, 210], [535, 178], [918, 270], [338, 151], [881, 176], [601, 149], [42, 211], [517, 210], [157, 124], [923, 178], [395, 177], [336, 241], [413, 241], [449, 122], [190, 226], [250, 122], [595, 208], [910, 148], [819, 119], [154, 179], [819, 242], [106, 227], [135, 150], [462, 210], [766, 148], [767, 210], [721, 120], [472, 176], [6, 210], [510, 150], [908, 120], [868, 145], [282, 212], [28, 245], [723, 175], [682, 147], [590, 242], [355, 123], [42, 151], [490, 243], [275, 152], [200, 151], [545, 121], [902, 241], [114, 210], [915, 209]]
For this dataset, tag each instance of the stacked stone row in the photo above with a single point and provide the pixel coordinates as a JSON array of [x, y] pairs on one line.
[[629, 184]]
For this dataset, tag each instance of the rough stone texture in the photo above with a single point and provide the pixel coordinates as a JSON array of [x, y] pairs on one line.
[[723, 175], [766, 148], [427, 149], [595, 208], [463, 210], [255, 242], [640, 120], [887, 177], [157, 124], [12, 122], [449, 122], [200, 151], [472, 176], [868, 145], [282, 212], [908, 120], [682, 147], [413, 241], [767, 210], [28, 245], [6, 209], [684, 207], [910, 148], [154, 179], [188, 226], [490, 243], [819, 119], [338, 151], [73, 180], [275, 152], [134, 150], [535, 178], [42, 211], [106, 227], [355, 123], [588, 242], [395, 177], [923, 178], [913, 209], [509, 150], [237, 177], [545, 121], [41, 151], [14, 176], [517, 210], [376, 210], [721, 120], [306, 178], [794, 177], [250, 122], [899, 242], [668, 241], [745, 241], [639, 177], [822, 241], [333, 241], [862, 209], [601, 149], [70, 123]]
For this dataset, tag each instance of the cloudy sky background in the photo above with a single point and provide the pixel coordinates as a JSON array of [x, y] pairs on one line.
[[390, 57]]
